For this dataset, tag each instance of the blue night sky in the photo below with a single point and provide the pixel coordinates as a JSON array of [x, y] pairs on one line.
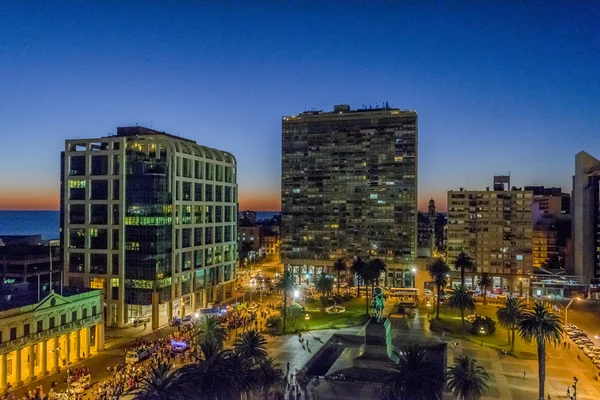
[[499, 87]]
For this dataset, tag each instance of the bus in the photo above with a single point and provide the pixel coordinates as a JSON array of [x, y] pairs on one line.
[[404, 296], [135, 356]]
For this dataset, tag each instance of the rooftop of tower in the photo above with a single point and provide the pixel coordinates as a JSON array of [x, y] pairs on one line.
[[345, 110]]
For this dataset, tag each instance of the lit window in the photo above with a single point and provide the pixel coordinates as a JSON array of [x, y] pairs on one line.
[[77, 183], [398, 158], [296, 190], [374, 196]]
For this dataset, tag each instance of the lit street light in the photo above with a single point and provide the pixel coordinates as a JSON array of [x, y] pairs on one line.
[[567, 308], [65, 363], [414, 277]]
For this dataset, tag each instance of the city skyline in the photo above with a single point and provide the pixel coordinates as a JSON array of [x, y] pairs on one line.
[[494, 95]]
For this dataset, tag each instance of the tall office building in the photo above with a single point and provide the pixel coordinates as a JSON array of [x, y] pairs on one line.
[[494, 227], [349, 188], [151, 219], [585, 203]]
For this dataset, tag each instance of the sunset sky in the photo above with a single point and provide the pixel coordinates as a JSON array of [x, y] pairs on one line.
[[503, 87]]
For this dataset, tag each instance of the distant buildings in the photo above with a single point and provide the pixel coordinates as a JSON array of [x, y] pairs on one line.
[[585, 205], [247, 217], [427, 242], [151, 220], [495, 227], [349, 188]]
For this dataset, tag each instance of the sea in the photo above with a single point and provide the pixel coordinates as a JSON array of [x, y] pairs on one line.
[[47, 223]]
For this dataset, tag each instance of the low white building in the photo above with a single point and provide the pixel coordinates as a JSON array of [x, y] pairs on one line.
[[41, 337]]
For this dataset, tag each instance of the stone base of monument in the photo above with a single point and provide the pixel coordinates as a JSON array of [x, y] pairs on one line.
[[374, 352]]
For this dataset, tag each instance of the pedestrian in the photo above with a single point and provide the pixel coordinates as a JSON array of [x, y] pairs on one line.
[[524, 374], [564, 344], [144, 326], [568, 391], [569, 346], [548, 396]]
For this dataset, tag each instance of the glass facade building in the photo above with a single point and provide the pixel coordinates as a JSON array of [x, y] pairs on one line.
[[349, 188], [151, 220]]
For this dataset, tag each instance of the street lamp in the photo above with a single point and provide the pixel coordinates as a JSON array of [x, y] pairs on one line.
[[567, 308], [414, 280], [64, 361]]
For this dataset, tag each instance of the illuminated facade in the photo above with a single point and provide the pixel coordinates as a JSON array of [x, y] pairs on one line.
[[151, 220], [349, 188], [494, 227]]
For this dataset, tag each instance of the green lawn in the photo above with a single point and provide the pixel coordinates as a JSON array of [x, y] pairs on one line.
[[317, 319], [499, 340]]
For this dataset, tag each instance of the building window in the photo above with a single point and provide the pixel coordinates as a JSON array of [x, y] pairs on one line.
[[13, 333], [40, 326], [83, 313], [99, 190], [74, 316], [94, 310], [52, 321], [26, 330], [63, 319]]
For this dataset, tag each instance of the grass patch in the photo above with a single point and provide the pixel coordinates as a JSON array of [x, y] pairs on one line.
[[451, 323], [354, 315]]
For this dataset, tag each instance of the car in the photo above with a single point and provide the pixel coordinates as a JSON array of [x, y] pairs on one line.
[[176, 321], [589, 352], [186, 318]]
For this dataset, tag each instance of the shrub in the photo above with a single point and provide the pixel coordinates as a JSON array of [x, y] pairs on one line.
[[294, 313], [309, 300], [483, 326], [347, 296], [274, 322], [337, 298]]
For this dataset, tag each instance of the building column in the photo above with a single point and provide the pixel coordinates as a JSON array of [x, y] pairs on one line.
[[100, 337], [56, 355], [170, 310], [193, 301], [31, 376], [203, 298], [17, 368], [181, 307], [68, 347], [43, 352], [3, 373], [77, 345], [86, 334]]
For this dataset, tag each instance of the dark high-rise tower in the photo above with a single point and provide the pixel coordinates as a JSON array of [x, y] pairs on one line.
[[349, 188]]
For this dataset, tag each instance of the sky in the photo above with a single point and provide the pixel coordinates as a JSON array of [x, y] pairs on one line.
[[500, 87]]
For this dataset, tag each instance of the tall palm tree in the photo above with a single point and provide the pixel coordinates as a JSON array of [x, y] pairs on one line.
[[158, 385], [539, 323], [466, 379], [509, 315], [358, 267], [376, 268], [462, 300], [484, 282], [269, 376], [324, 284], [251, 346], [370, 274], [339, 266], [463, 262], [438, 270], [415, 376], [286, 283], [210, 329]]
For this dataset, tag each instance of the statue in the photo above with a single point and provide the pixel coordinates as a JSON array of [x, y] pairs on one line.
[[378, 302]]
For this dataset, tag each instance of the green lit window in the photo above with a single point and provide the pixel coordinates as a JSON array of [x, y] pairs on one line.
[[93, 232], [77, 183]]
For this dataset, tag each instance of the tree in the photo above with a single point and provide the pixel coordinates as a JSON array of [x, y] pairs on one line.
[[415, 376], [484, 282], [462, 262], [212, 361], [324, 284], [251, 346], [466, 379], [269, 376], [509, 315], [358, 267], [339, 266], [158, 385], [295, 313], [376, 267], [287, 284], [438, 270], [539, 323], [462, 300], [210, 329]]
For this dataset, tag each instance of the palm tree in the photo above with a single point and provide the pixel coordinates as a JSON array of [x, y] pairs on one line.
[[286, 283], [358, 267], [210, 329], [158, 385], [438, 270], [484, 282], [509, 315], [376, 268], [539, 323], [212, 361], [462, 300], [339, 266], [466, 379], [462, 262], [416, 376], [251, 346], [269, 376], [324, 284]]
